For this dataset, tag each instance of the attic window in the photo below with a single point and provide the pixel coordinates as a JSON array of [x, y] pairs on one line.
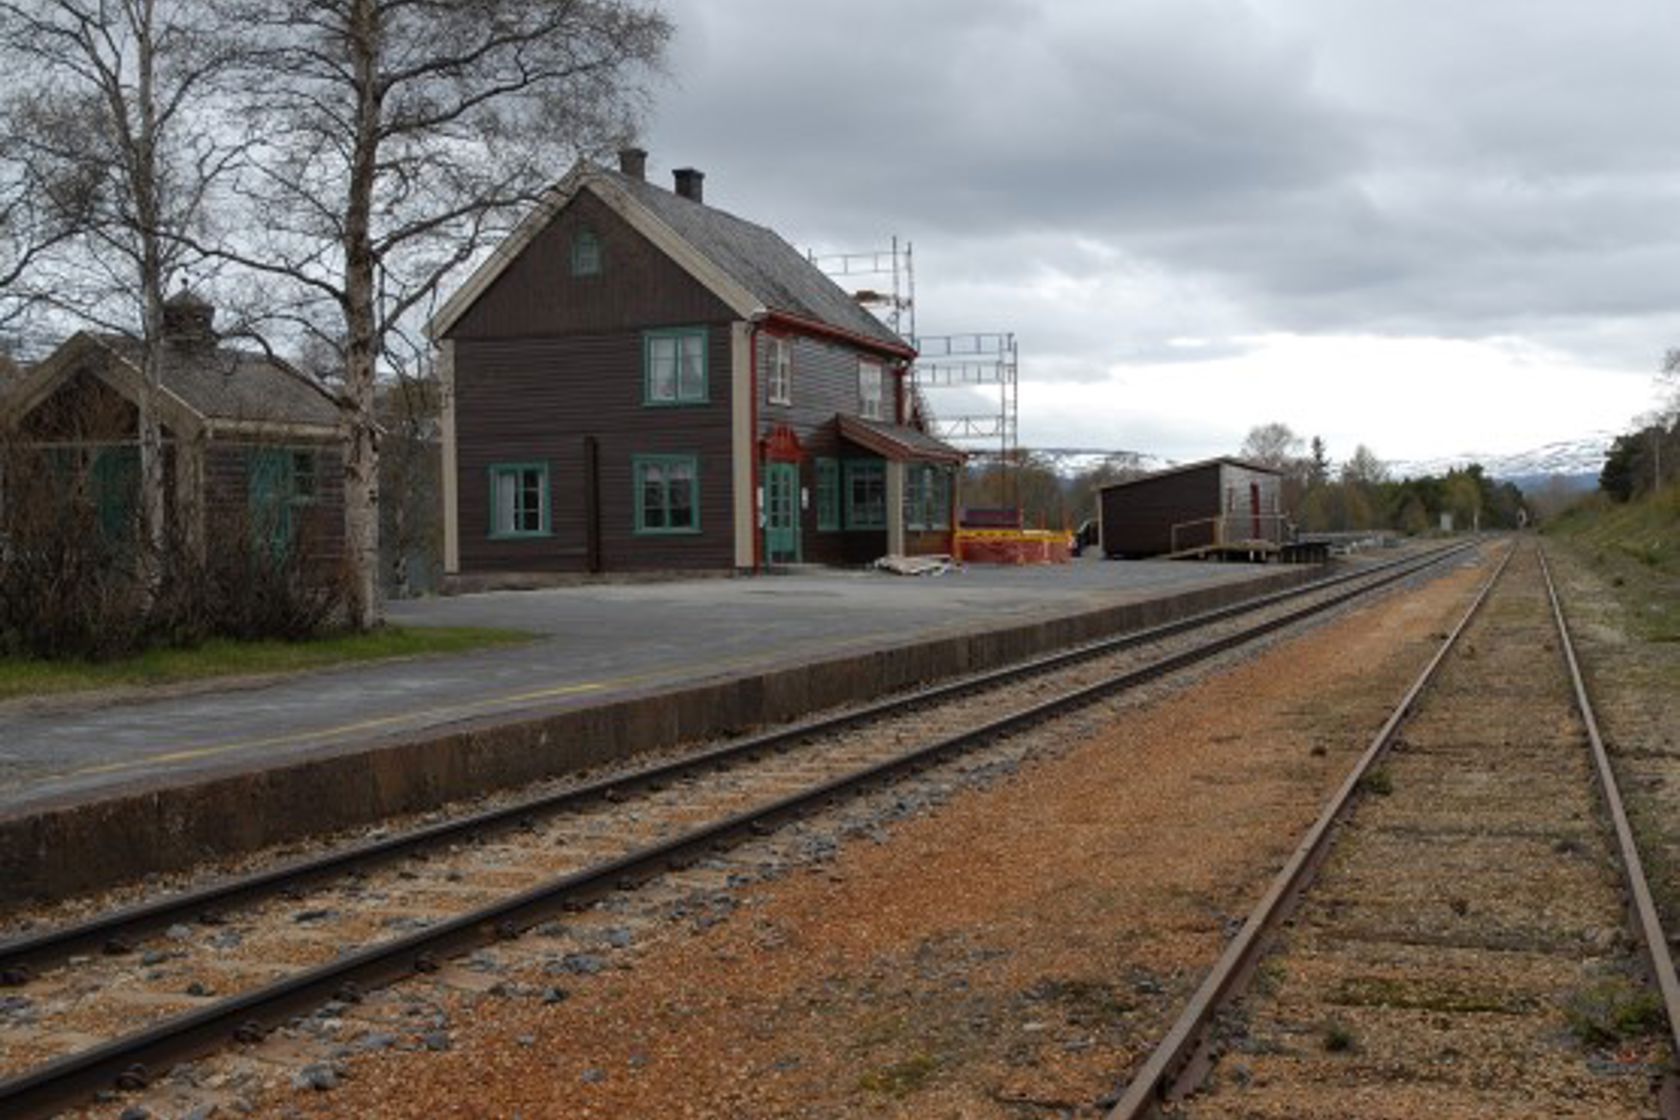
[[586, 253]]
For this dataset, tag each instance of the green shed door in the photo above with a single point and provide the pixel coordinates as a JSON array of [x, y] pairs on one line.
[[116, 491], [268, 484]]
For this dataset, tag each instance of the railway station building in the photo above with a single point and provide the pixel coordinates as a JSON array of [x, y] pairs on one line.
[[635, 380]]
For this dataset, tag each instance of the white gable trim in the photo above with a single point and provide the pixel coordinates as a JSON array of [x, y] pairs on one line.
[[114, 370], [706, 272]]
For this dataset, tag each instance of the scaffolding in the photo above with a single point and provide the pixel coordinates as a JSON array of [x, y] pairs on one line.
[[978, 361], [896, 306], [975, 361]]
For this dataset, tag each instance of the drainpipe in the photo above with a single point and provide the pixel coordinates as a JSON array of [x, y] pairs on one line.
[[757, 452]]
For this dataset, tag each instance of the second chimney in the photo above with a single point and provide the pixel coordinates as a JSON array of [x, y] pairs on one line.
[[689, 183], [633, 162]]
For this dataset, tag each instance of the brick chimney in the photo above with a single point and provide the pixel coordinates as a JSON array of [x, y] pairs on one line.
[[633, 162], [689, 183]]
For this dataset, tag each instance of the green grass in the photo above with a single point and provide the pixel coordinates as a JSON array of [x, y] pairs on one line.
[[220, 658], [1612, 1009], [1636, 547]]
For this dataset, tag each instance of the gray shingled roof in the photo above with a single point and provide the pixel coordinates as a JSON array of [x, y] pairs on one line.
[[227, 384], [776, 273], [913, 444]]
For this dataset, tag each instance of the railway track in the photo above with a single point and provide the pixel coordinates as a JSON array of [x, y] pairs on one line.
[[1446, 939], [331, 928]]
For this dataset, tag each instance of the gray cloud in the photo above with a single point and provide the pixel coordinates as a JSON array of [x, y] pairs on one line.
[[1107, 177]]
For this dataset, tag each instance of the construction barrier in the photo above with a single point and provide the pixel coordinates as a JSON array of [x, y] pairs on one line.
[[1013, 546]]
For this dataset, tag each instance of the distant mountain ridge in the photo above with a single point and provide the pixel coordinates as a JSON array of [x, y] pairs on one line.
[[1569, 458], [1576, 461]]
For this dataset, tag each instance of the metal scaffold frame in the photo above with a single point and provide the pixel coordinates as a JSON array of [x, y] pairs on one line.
[[950, 361]]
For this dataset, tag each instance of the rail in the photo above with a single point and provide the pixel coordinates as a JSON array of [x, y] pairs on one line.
[[1181, 1057], [249, 1015]]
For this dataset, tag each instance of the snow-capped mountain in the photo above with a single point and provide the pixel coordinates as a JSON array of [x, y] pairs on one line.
[[1577, 461], [1582, 457], [1070, 462]]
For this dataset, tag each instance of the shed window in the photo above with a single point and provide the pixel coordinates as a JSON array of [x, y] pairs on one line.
[[519, 500], [781, 371], [303, 476], [667, 493], [828, 495], [674, 366], [927, 497], [871, 391], [586, 253], [866, 494]]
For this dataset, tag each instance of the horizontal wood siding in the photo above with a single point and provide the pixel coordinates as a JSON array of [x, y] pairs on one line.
[[824, 382], [535, 400], [319, 521], [1137, 518], [537, 296]]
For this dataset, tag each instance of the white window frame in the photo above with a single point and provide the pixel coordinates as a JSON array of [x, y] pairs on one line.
[[872, 390], [780, 383]]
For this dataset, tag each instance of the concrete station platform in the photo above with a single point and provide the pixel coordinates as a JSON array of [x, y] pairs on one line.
[[95, 792]]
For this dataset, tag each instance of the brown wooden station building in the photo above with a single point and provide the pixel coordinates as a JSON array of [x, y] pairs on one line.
[[635, 380]]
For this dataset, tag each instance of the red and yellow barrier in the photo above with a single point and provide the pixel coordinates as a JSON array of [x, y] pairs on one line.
[[1013, 546]]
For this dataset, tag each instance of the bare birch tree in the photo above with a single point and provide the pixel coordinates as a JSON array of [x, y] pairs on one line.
[[398, 137], [114, 120]]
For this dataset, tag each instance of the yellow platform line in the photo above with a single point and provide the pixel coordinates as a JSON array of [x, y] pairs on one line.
[[433, 716]]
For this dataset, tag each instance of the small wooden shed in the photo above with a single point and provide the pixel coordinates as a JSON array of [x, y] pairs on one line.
[[245, 437], [1217, 507]]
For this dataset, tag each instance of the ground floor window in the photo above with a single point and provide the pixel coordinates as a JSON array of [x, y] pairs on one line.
[[519, 500], [667, 494], [828, 495], [927, 497], [866, 494]]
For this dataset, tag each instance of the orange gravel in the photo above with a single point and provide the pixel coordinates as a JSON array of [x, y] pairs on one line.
[[1013, 951]]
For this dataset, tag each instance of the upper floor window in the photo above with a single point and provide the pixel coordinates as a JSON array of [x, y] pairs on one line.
[[781, 371], [586, 253], [872, 391], [674, 366]]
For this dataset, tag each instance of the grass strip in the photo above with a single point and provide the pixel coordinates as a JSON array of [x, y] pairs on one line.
[[223, 658]]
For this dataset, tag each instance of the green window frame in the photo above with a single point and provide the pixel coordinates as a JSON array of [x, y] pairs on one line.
[[519, 501], [866, 494], [586, 253], [828, 495], [927, 497], [674, 367], [667, 499], [306, 477]]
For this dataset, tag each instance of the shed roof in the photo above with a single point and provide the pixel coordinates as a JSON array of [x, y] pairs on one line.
[[218, 386], [748, 266], [1201, 464], [895, 441], [223, 383]]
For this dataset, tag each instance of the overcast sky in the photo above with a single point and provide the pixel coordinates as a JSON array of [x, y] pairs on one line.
[[1429, 227]]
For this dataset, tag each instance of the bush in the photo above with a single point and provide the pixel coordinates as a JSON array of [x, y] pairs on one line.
[[78, 579]]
